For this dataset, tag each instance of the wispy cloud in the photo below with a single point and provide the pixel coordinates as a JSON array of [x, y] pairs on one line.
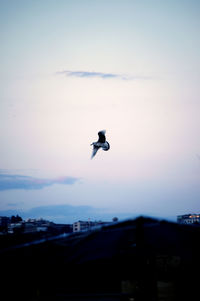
[[8, 182], [89, 74]]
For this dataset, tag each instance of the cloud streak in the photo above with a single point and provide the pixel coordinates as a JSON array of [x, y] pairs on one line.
[[8, 182], [102, 75]]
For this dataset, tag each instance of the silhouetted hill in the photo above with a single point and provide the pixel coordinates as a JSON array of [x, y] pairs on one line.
[[142, 259], [65, 213]]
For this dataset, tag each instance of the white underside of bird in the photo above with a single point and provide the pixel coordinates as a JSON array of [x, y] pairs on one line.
[[101, 143]]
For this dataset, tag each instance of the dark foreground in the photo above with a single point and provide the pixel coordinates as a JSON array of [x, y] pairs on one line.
[[142, 259]]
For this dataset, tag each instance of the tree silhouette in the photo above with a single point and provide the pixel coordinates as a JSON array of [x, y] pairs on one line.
[[16, 219]]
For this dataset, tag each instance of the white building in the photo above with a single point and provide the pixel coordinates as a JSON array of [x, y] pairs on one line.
[[188, 219], [87, 225], [81, 226]]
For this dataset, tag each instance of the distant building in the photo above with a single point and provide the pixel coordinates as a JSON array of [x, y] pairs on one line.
[[61, 228], [15, 225], [4, 221], [81, 226], [29, 227], [36, 225], [188, 219], [15, 228], [87, 225]]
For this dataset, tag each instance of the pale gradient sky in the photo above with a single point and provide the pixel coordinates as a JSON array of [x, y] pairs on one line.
[[71, 68]]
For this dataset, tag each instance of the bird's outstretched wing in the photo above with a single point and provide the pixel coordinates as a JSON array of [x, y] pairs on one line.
[[102, 137], [94, 151]]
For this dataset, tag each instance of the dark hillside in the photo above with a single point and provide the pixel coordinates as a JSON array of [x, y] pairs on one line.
[[142, 259]]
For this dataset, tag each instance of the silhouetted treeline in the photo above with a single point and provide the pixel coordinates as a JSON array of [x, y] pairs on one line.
[[15, 219]]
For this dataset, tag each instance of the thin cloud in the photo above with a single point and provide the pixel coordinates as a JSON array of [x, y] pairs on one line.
[[8, 182], [102, 75]]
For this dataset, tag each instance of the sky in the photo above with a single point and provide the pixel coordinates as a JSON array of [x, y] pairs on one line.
[[72, 68]]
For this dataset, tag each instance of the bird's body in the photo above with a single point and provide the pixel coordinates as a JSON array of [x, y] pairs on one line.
[[101, 143]]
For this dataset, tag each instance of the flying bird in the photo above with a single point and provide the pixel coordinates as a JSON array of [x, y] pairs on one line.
[[101, 143]]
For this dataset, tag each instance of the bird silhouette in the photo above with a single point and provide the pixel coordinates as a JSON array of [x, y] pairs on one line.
[[101, 143]]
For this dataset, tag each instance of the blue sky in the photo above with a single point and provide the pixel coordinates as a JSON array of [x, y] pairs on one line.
[[72, 68]]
